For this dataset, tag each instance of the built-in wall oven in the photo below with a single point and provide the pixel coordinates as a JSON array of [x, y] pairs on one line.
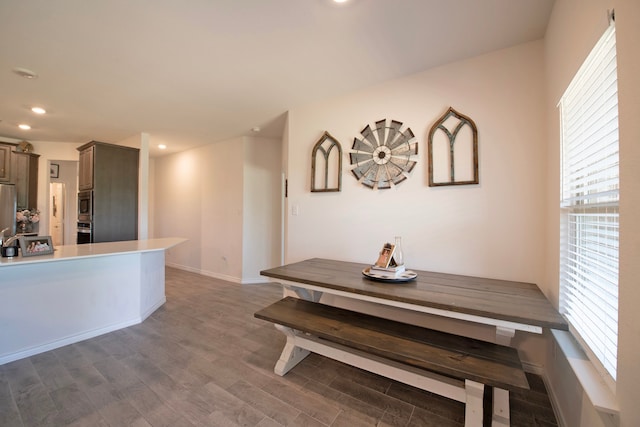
[[85, 217], [84, 233]]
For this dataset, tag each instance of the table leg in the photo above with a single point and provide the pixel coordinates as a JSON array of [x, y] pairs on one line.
[[291, 354], [501, 417], [301, 293], [474, 392]]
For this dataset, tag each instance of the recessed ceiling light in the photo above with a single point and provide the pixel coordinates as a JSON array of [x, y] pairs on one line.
[[162, 146], [24, 126], [38, 110], [255, 129], [27, 74], [339, 3]]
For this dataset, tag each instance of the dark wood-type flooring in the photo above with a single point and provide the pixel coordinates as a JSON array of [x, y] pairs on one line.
[[203, 360]]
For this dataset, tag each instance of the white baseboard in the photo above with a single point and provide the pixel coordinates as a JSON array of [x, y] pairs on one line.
[[226, 278], [153, 308], [554, 401], [66, 341]]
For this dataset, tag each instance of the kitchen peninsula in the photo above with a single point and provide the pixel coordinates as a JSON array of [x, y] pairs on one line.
[[78, 292]]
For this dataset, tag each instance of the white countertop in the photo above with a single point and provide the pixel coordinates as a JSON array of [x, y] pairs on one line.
[[89, 250]]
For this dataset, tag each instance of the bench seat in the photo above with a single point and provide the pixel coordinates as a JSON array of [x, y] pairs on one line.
[[450, 365]]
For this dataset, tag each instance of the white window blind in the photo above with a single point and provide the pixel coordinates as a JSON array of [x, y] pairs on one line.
[[590, 198]]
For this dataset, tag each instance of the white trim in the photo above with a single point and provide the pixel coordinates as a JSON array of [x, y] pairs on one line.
[[71, 339], [224, 277], [594, 386]]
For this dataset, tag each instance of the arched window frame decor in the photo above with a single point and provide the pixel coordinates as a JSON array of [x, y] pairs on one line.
[[323, 187], [451, 135]]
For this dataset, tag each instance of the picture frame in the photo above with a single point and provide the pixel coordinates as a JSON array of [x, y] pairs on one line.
[[385, 256], [36, 245], [54, 170]]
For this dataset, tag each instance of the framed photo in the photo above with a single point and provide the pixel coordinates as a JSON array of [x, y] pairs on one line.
[[54, 170], [386, 255], [36, 245]]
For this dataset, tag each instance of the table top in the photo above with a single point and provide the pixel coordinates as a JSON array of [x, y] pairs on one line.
[[498, 299]]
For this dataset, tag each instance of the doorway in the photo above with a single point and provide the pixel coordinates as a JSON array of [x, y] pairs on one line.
[[57, 205]]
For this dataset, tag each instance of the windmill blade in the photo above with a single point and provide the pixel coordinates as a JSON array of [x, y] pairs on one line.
[[398, 179], [393, 169], [403, 163], [358, 158], [405, 150], [360, 145], [369, 136], [394, 128], [402, 138], [380, 128], [362, 169], [371, 176]]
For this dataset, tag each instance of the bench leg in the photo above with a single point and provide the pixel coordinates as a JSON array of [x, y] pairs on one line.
[[291, 354], [500, 416], [473, 405]]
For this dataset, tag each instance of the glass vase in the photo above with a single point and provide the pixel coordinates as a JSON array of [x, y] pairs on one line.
[[398, 255]]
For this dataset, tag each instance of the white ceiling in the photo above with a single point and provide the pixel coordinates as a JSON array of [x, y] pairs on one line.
[[192, 72]]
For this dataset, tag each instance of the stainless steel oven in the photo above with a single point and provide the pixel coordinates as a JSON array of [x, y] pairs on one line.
[[85, 206], [85, 234]]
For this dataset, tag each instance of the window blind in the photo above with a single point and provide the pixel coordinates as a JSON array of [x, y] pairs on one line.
[[589, 202]]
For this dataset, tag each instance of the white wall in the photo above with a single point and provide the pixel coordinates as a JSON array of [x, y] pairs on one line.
[[573, 30], [200, 194], [199, 197], [491, 229], [261, 207]]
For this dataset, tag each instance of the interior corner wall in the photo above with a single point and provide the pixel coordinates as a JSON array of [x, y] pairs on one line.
[[198, 196], [574, 28], [262, 200]]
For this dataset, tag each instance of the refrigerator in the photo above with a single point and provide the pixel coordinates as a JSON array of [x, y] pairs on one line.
[[8, 209]]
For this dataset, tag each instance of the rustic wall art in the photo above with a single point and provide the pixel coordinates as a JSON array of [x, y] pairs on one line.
[[453, 150], [326, 169], [383, 156]]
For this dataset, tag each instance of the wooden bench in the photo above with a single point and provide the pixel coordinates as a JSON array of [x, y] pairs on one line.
[[453, 366]]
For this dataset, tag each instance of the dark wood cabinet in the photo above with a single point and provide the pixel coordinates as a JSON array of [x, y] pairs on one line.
[[85, 178], [110, 172], [5, 162], [25, 177]]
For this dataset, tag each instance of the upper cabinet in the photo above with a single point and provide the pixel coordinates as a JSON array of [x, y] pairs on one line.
[[25, 177], [5, 163], [20, 168], [85, 178]]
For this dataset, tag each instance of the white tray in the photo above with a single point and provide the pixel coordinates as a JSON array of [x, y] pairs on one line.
[[381, 276]]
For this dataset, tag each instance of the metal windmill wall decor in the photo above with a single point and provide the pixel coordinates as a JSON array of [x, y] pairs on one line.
[[383, 156], [453, 150], [326, 169]]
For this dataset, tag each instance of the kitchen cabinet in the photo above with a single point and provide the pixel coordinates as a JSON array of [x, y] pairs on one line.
[[5, 162], [85, 178], [110, 173], [25, 177]]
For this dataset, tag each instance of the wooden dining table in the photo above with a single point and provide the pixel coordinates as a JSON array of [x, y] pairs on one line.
[[509, 306], [505, 304]]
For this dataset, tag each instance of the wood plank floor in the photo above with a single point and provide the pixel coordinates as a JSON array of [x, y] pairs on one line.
[[203, 360]]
